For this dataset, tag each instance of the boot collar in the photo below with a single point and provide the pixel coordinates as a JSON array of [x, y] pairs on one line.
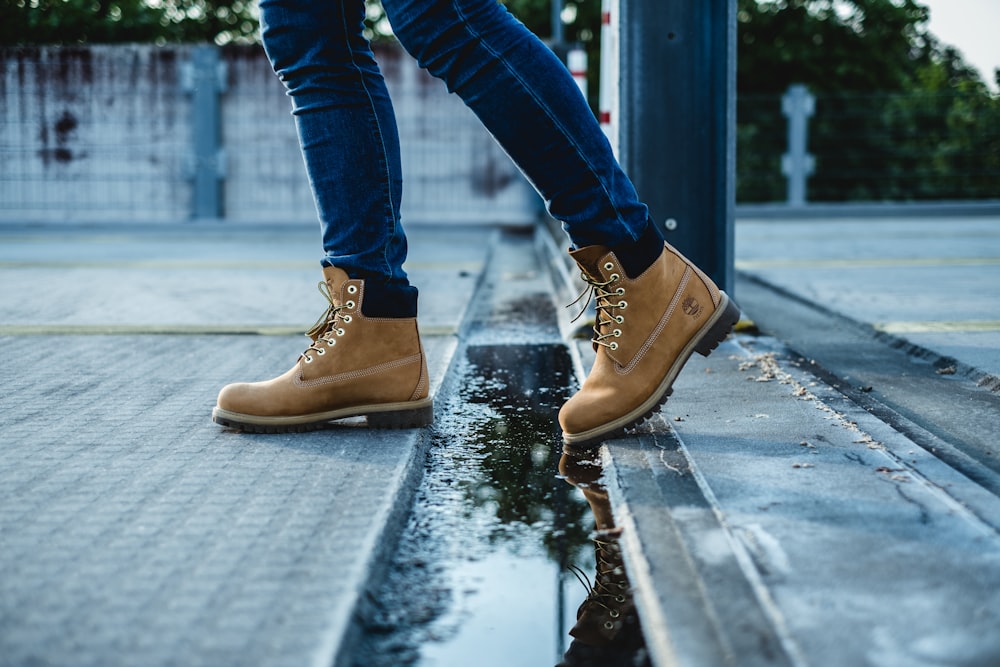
[[589, 259]]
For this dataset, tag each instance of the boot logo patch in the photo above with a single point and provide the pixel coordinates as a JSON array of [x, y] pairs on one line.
[[691, 307]]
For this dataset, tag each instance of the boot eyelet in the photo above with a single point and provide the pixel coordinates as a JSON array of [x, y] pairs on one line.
[[613, 346], [340, 332], [330, 342], [618, 333], [307, 359], [620, 291], [608, 625], [613, 277], [347, 319], [619, 319], [623, 304], [320, 351], [349, 304], [620, 599], [613, 613], [352, 289], [608, 266]]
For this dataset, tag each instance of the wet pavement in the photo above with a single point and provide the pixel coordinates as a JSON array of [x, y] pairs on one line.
[[501, 561], [798, 501]]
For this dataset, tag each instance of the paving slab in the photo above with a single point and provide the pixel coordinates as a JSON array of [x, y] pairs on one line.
[[934, 282], [134, 530], [776, 513], [770, 518], [810, 532], [204, 277]]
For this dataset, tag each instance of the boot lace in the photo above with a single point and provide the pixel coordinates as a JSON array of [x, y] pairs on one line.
[[607, 323], [328, 327], [610, 588]]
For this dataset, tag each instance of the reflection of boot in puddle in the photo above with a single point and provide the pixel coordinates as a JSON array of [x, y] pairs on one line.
[[607, 631]]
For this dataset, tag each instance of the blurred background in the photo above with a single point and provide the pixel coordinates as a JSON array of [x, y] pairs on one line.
[[163, 110]]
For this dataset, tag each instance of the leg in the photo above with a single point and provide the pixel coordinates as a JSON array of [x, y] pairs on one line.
[[654, 308], [365, 358], [347, 131], [526, 98]]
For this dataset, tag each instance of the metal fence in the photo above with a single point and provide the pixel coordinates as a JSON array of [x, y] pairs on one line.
[[92, 133], [113, 133], [116, 133], [898, 147]]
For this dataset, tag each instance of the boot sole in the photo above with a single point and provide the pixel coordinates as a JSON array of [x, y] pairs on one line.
[[707, 339], [409, 414]]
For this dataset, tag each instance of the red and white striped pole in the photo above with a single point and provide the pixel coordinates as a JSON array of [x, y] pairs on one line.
[[610, 75], [576, 61]]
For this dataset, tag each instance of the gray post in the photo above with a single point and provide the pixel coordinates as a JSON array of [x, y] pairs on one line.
[[557, 24], [797, 164], [678, 118], [205, 82]]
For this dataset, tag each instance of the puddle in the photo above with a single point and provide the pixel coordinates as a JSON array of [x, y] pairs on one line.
[[489, 569]]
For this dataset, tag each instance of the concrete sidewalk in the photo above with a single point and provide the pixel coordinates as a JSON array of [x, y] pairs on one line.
[[136, 532], [797, 502], [827, 494], [931, 282]]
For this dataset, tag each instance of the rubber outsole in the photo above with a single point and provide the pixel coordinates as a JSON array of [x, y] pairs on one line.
[[389, 416], [704, 342]]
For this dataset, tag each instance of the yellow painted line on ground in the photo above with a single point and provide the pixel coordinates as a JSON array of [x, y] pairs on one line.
[[192, 264], [749, 264], [146, 329], [966, 326], [174, 330], [164, 264]]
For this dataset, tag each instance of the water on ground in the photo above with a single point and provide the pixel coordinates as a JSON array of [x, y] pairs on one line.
[[507, 539]]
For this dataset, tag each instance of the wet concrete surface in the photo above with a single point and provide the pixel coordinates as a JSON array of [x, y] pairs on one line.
[[510, 553], [133, 530], [479, 573], [767, 516]]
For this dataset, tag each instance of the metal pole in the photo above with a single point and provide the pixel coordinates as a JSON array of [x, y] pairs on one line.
[[797, 164], [610, 75], [677, 122], [557, 24], [206, 85], [576, 61]]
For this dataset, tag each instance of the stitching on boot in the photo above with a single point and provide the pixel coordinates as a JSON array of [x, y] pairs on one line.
[[713, 289], [354, 375], [421, 385], [625, 370], [361, 296]]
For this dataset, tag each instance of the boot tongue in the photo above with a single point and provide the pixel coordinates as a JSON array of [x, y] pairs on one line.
[[589, 258], [335, 279]]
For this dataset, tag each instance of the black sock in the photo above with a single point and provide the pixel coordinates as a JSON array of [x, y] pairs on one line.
[[389, 300], [637, 256]]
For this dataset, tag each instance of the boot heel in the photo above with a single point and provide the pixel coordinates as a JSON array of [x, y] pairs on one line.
[[423, 416], [718, 331]]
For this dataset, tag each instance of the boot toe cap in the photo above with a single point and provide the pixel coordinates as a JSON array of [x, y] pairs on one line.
[[582, 413], [235, 397]]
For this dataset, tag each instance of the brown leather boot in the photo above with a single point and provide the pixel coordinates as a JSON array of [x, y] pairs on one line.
[[645, 331], [356, 366], [607, 619]]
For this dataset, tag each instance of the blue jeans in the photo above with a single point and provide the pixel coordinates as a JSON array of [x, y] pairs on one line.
[[519, 90]]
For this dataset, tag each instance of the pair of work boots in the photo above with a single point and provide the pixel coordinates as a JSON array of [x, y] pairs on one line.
[[646, 328]]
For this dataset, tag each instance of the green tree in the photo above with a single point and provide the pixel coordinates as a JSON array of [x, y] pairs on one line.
[[830, 45], [899, 115], [943, 135], [25, 22]]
